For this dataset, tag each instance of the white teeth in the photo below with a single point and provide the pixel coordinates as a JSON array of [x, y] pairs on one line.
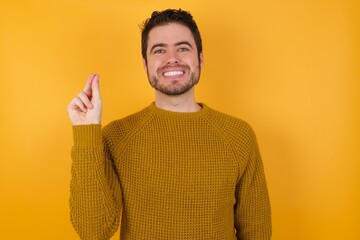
[[173, 73]]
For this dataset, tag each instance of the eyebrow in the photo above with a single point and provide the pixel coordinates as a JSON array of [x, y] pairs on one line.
[[176, 44]]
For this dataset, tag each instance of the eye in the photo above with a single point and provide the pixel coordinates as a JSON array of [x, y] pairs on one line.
[[159, 51], [183, 49]]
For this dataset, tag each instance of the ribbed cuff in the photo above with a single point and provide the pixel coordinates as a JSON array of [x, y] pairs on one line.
[[87, 135]]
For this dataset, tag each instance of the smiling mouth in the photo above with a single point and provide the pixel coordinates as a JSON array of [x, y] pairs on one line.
[[173, 73]]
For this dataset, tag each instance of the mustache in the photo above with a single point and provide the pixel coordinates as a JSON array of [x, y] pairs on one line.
[[178, 65]]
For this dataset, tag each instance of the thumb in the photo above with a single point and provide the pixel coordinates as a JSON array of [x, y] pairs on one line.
[[95, 88]]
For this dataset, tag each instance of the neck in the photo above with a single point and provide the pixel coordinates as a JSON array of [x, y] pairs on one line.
[[180, 103]]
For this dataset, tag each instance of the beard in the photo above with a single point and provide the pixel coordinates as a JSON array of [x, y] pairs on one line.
[[174, 89]]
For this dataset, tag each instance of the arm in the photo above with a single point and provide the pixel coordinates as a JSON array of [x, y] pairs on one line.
[[252, 209], [95, 194]]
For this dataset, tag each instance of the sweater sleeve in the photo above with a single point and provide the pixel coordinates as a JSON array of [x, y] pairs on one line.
[[95, 193], [252, 209]]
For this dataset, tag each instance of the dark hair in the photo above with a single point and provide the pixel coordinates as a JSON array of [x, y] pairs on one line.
[[165, 17]]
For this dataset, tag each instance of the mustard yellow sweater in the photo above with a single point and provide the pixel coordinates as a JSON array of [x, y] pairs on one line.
[[168, 175]]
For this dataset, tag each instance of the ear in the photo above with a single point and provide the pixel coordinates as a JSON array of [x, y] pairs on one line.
[[144, 64], [201, 59]]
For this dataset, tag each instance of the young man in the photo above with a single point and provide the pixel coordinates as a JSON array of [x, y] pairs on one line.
[[175, 170]]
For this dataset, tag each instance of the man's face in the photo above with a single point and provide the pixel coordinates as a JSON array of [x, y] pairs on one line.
[[173, 65]]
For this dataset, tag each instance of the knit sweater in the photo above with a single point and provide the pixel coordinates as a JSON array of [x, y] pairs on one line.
[[169, 175]]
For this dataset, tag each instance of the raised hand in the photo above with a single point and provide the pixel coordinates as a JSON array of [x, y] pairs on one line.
[[86, 107]]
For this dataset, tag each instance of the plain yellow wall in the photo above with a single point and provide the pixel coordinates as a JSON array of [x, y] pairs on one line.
[[289, 68]]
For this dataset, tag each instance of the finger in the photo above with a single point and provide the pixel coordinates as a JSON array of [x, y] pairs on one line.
[[79, 105], [87, 88], [95, 88], [85, 100]]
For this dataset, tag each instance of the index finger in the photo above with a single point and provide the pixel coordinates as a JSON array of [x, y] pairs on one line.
[[87, 88]]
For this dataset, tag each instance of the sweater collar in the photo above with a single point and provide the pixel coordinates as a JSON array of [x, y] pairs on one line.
[[153, 109]]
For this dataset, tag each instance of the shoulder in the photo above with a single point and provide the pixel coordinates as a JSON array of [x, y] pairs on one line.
[[232, 128], [120, 128], [226, 121]]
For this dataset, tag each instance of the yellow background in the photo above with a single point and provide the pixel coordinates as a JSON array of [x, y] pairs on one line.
[[289, 68]]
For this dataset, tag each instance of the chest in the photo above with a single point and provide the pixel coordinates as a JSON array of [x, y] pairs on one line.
[[179, 161]]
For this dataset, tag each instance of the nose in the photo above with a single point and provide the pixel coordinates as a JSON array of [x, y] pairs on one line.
[[172, 57]]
